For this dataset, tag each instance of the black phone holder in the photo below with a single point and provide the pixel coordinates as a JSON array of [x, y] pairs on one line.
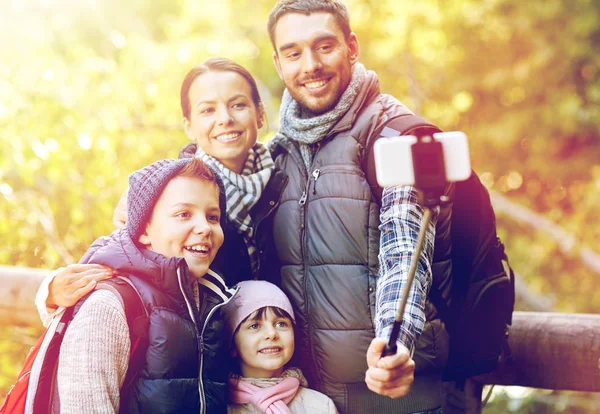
[[430, 171]]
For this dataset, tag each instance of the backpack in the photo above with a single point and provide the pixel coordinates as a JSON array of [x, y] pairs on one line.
[[479, 312], [34, 389]]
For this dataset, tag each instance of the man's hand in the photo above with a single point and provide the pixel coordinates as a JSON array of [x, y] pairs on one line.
[[73, 282], [120, 214], [392, 375]]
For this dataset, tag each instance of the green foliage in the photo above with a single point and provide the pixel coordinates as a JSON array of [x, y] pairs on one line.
[[89, 92]]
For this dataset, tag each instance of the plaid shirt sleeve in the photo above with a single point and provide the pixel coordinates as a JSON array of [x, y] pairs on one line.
[[401, 219]]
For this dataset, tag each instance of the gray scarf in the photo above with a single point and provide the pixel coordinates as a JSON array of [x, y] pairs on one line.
[[242, 191], [309, 130]]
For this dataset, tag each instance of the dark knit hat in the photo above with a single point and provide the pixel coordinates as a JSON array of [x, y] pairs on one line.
[[146, 186]]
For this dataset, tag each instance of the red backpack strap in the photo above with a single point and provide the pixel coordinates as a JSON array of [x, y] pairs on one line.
[[16, 398]]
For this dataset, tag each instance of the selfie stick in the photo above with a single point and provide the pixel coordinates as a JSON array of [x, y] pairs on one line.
[[391, 347], [430, 180]]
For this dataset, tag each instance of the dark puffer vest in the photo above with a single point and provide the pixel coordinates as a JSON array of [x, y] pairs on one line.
[[326, 231], [187, 362]]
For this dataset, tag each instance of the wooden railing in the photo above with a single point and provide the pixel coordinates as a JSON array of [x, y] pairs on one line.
[[557, 351], [550, 350]]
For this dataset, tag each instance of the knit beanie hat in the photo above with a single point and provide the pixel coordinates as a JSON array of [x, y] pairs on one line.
[[251, 296], [145, 188]]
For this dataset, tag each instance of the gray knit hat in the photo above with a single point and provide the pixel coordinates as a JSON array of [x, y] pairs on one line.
[[146, 186]]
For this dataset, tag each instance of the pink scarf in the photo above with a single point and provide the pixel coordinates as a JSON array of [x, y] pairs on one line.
[[270, 400]]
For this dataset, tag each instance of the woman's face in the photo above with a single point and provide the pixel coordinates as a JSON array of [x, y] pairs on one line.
[[224, 121]]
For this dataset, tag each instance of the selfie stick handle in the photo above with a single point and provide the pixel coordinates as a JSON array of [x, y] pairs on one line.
[[391, 347]]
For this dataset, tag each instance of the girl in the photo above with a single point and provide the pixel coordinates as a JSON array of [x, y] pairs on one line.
[[261, 321]]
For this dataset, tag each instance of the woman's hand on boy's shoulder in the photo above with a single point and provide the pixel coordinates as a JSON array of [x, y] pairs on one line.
[[74, 281]]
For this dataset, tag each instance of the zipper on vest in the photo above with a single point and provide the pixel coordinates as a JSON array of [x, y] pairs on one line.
[[201, 345], [304, 196], [193, 316], [316, 173], [204, 326]]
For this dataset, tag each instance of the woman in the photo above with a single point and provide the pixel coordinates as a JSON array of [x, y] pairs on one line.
[[222, 113]]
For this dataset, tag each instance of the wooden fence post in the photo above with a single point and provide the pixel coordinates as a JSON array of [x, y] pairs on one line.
[[18, 286]]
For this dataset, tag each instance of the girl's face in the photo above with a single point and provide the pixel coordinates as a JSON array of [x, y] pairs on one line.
[[264, 345], [224, 121]]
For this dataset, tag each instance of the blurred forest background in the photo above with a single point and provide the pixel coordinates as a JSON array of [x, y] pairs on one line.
[[89, 92]]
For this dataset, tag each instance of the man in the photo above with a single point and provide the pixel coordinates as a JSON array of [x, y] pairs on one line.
[[329, 228]]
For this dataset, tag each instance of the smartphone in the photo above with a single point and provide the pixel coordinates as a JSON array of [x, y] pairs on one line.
[[394, 159]]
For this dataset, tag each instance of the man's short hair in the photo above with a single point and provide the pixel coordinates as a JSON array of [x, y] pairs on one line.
[[307, 7]]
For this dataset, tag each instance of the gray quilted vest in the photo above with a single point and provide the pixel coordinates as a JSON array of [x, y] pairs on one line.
[[327, 236]]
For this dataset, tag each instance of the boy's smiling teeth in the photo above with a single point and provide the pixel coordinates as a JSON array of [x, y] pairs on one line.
[[315, 84], [228, 137], [197, 248]]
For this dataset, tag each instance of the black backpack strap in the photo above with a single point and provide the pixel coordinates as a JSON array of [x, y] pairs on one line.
[[405, 124], [137, 321], [43, 395]]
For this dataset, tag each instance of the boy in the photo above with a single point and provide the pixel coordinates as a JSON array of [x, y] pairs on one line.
[[173, 234]]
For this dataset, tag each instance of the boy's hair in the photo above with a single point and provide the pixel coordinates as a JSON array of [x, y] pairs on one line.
[[197, 168], [146, 186], [217, 64], [307, 7]]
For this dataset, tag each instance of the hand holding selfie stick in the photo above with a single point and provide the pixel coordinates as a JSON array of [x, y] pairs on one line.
[[428, 163]]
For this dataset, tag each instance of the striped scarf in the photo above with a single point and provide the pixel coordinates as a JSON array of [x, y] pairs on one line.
[[242, 191]]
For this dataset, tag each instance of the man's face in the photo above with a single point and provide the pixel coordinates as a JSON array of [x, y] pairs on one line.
[[185, 223], [314, 59]]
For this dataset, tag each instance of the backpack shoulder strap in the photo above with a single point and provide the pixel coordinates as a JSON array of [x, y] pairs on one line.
[[405, 124], [46, 364], [137, 321]]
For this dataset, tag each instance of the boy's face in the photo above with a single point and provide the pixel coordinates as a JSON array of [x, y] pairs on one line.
[[185, 223], [314, 59], [264, 346]]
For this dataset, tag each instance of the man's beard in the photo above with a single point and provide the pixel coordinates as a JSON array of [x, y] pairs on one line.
[[323, 106]]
